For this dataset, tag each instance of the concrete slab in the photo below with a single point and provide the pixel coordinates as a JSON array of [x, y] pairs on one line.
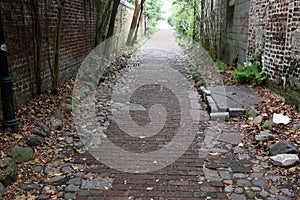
[[234, 96]]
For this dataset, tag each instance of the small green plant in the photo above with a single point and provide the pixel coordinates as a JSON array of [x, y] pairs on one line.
[[213, 54], [221, 66], [194, 46], [59, 6], [250, 74], [56, 52]]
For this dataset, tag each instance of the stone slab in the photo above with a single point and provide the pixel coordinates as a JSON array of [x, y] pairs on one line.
[[231, 137], [234, 96], [212, 104]]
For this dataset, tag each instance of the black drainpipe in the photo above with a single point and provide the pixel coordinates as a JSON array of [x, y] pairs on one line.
[[9, 118]]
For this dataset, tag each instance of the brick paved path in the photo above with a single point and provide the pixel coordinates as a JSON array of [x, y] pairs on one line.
[[229, 171]]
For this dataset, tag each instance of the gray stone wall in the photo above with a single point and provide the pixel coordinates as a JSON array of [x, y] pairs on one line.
[[234, 30]]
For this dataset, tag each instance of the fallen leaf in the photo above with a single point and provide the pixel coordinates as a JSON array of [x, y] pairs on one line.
[[18, 136]]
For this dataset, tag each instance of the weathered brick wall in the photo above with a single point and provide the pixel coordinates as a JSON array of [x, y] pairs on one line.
[[234, 29], [274, 37], [77, 40]]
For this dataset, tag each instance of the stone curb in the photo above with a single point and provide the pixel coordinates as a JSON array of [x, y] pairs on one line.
[[213, 108], [236, 112], [216, 112], [219, 116]]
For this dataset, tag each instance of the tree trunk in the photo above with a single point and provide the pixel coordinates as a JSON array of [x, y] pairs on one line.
[[111, 27], [201, 27], [138, 25], [134, 21], [37, 42], [98, 20], [57, 47], [104, 22], [194, 20]]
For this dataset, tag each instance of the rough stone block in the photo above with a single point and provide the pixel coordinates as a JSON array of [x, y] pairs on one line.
[[236, 112], [223, 109], [205, 92], [202, 88], [212, 104], [220, 116]]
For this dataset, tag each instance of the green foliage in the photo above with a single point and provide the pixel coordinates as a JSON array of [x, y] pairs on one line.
[[250, 74], [182, 18], [131, 1], [194, 46], [221, 66], [58, 6], [56, 52], [153, 12], [213, 53]]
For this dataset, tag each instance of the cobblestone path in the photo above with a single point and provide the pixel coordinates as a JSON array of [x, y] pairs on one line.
[[215, 164]]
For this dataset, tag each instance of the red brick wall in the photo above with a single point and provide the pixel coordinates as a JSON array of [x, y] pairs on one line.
[[274, 36], [77, 39]]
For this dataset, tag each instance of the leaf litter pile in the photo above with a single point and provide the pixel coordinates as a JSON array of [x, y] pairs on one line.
[[270, 105], [50, 157], [273, 104], [53, 162]]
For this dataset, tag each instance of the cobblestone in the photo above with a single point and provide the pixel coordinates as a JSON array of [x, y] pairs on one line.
[[239, 190], [225, 175], [71, 188], [238, 197], [260, 182]]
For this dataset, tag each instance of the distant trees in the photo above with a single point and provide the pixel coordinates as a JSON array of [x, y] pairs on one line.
[[184, 16], [138, 11], [198, 21], [153, 11]]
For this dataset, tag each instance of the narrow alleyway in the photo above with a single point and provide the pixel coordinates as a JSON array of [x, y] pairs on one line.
[[150, 120], [193, 158]]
